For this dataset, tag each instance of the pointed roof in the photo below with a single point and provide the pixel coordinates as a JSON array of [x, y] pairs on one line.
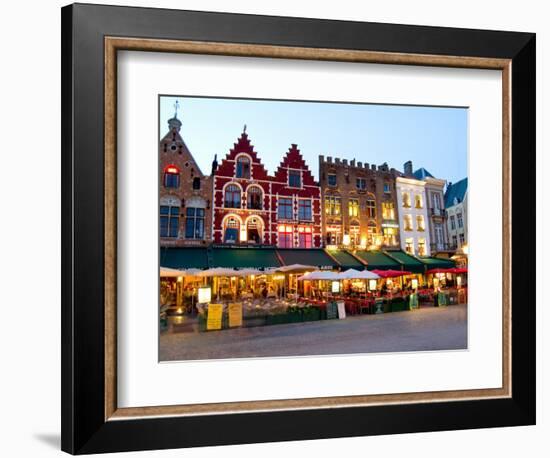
[[456, 191], [173, 136], [422, 174], [293, 159], [242, 145]]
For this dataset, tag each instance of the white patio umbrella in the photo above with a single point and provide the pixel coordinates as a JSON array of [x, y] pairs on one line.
[[320, 275], [170, 272], [352, 274], [295, 268]]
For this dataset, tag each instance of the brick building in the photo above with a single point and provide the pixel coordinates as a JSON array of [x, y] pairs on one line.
[[359, 202], [297, 199], [185, 193], [253, 207]]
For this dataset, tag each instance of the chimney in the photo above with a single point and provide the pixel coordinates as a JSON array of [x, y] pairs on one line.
[[408, 168], [215, 164]]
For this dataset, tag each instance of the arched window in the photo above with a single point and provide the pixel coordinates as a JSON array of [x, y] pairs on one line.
[[254, 229], [243, 167], [232, 230], [254, 196], [232, 196], [171, 177]]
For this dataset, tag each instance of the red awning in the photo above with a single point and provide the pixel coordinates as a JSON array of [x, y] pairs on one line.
[[391, 273]]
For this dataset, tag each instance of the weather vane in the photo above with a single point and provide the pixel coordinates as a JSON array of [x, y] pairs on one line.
[[176, 106]]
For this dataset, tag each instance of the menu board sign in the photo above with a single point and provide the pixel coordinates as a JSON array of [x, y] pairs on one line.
[[214, 318]]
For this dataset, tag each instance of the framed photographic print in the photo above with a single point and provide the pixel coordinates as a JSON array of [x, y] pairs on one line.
[[284, 228]]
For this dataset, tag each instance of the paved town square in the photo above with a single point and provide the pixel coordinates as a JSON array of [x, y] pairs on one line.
[[429, 328]]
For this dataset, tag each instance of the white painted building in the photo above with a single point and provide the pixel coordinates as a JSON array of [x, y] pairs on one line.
[[413, 216]]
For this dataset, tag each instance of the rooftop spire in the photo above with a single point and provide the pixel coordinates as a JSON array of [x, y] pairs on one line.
[[244, 129], [174, 123]]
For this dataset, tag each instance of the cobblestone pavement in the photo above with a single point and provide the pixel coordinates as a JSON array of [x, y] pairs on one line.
[[429, 328]]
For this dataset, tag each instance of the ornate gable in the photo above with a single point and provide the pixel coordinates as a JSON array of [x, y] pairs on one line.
[[294, 160], [243, 145]]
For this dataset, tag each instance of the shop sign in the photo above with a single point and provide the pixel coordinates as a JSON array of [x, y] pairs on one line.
[[235, 312], [214, 319], [341, 310]]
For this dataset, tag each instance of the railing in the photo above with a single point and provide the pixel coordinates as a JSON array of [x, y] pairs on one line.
[[443, 247], [437, 212]]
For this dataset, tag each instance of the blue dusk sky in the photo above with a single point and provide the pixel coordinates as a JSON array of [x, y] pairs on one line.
[[435, 138]]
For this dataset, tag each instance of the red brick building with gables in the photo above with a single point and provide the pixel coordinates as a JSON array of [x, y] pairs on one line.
[[251, 207], [297, 199]]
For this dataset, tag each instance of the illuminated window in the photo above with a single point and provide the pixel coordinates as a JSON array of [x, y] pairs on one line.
[[305, 239], [169, 221], [419, 223], [304, 209], [409, 246], [253, 230], [194, 223], [232, 197], [231, 230], [333, 205], [285, 236], [371, 207], [354, 236], [421, 247], [408, 223], [406, 200], [418, 201], [254, 197], [243, 167], [294, 178], [389, 235], [331, 179], [171, 177], [353, 207], [388, 210], [284, 208]]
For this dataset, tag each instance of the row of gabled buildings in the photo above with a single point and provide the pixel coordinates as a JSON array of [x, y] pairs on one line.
[[353, 205]]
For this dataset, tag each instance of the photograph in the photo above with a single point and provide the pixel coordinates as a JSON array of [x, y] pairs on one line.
[[306, 228]]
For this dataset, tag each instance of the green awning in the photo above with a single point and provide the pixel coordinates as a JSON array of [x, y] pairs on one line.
[[184, 258], [409, 262], [378, 260], [309, 257], [438, 263], [241, 258], [346, 260]]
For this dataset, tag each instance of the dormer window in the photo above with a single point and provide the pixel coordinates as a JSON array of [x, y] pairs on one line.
[[171, 177], [243, 167], [294, 179]]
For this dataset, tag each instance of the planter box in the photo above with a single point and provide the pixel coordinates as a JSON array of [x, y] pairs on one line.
[[399, 306]]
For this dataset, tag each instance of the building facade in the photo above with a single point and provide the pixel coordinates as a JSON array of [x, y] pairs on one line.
[[413, 215], [251, 207], [456, 206], [296, 200], [359, 204], [437, 217], [185, 193]]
